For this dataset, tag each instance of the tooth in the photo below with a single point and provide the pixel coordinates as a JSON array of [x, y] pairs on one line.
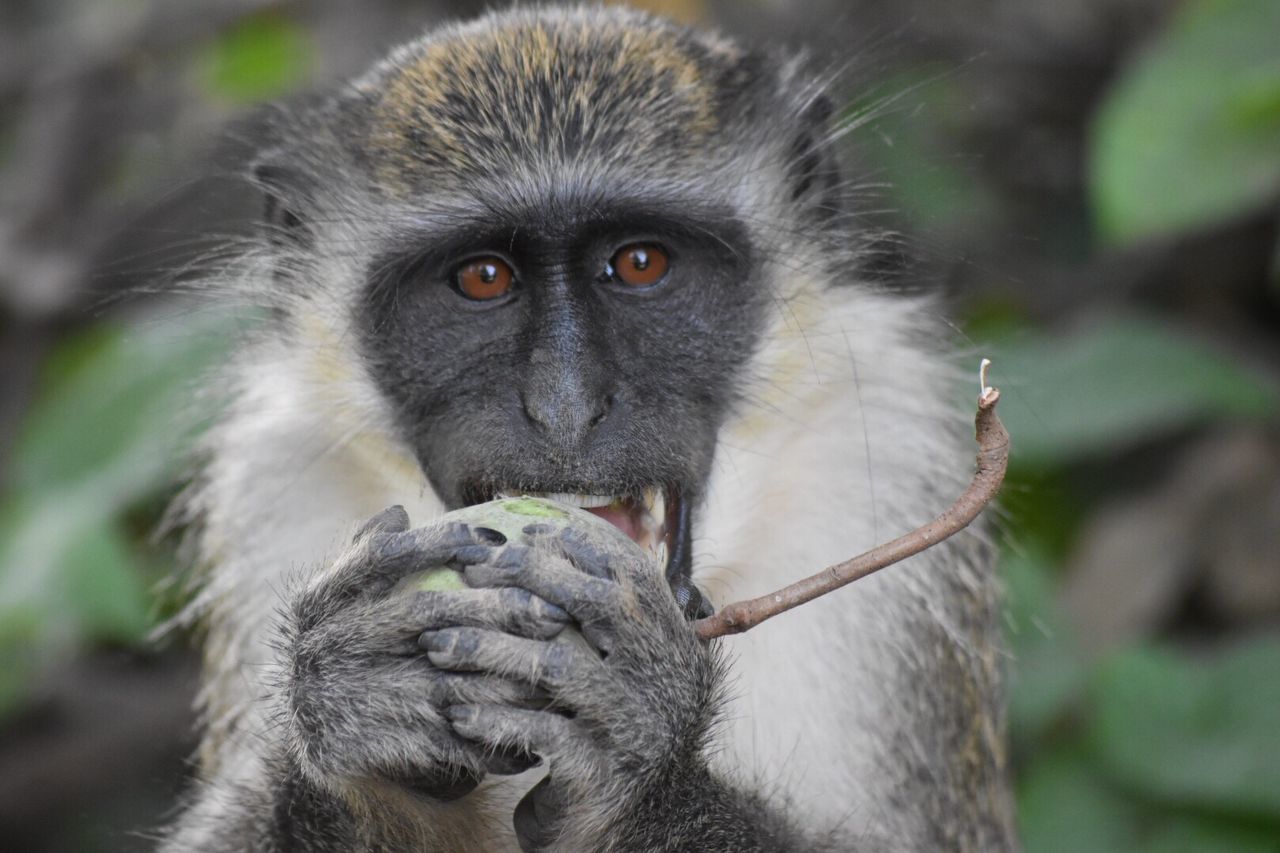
[[658, 506], [655, 510], [579, 500]]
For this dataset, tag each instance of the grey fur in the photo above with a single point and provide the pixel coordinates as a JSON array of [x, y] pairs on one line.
[[343, 715]]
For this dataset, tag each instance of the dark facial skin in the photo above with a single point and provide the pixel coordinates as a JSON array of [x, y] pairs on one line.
[[572, 381]]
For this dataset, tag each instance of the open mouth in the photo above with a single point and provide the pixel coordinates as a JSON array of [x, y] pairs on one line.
[[657, 519]]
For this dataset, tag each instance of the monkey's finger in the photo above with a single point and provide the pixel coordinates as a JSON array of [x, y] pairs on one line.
[[379, 559], [537, 732], [552, 665], [550, 577], [393, 519], [453, 543], [510, 609], [457, 688], [580, 549]]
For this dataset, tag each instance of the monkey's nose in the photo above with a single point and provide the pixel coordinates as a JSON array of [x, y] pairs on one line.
[[566, 415]]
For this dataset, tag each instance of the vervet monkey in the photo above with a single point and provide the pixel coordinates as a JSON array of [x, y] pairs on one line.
[[592, 254]]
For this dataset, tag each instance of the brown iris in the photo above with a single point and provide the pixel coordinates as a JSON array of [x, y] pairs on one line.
[[640, 264], [484, 278]]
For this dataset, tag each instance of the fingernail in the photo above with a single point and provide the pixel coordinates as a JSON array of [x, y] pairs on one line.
[[436, 641], [393, 519], [555, 613], [460, 713]]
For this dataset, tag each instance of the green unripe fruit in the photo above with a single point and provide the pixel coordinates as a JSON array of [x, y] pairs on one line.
[[435, 580], [506, 520]]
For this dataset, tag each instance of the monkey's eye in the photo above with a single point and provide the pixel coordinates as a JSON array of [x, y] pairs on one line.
[[639, 264], [484, 278]]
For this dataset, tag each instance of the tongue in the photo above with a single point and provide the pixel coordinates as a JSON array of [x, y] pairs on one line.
[[624, 518]]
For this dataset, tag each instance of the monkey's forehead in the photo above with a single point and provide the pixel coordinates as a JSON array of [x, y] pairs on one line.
[[549, 85]]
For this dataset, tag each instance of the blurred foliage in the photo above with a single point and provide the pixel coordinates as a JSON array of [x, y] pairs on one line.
[[1192, 732], [1116, 382], [1163, 746], [1151, 749], [262, 57], [104, 437], [916, 115], [1190, 133]]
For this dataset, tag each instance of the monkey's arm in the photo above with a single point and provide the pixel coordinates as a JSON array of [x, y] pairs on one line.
[[359, 756], [634, 698], [684, 808], [275, 811]]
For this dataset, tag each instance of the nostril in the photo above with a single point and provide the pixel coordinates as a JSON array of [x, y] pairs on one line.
[[530, 412], [565, 415], [602, 410]]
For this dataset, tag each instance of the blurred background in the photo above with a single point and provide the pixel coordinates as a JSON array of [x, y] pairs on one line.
[[1093, 184]]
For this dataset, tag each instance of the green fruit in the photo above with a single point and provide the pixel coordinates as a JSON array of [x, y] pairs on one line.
[[510, 517], [538, 507], [435, 580]]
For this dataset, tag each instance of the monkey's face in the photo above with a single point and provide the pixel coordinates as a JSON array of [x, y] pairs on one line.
[[565, 221], [587, 348]]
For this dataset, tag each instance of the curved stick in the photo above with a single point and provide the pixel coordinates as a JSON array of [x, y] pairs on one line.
[[993, 460]]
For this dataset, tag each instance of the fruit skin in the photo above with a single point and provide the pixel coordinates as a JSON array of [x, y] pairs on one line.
[[435, 580], [515, 520]]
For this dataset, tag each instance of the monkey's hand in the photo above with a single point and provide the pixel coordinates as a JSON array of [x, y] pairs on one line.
[[633, 692], [362, 705]]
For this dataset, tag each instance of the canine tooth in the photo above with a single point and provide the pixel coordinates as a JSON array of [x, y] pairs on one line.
[[655, 501], [655, 509]]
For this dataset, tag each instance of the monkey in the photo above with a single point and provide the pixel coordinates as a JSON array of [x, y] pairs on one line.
[[591, 254]]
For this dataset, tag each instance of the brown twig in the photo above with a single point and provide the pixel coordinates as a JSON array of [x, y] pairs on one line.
[[993, 460]]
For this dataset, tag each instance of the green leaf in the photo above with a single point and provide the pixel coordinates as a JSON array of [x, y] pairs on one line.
[[1120, 382], [1065, 806], [1047, 674], [103, 587], [1200, 733], [66, 569], [1190, 132], [1185, 834], [109, 430], [18, 629], [262, 57], [908, 124], [108, 417]]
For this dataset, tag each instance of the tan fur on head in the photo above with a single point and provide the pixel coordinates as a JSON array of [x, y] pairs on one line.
[[474, 90]]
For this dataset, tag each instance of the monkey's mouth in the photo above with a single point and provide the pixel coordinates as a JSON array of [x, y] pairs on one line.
[[656, 519]]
